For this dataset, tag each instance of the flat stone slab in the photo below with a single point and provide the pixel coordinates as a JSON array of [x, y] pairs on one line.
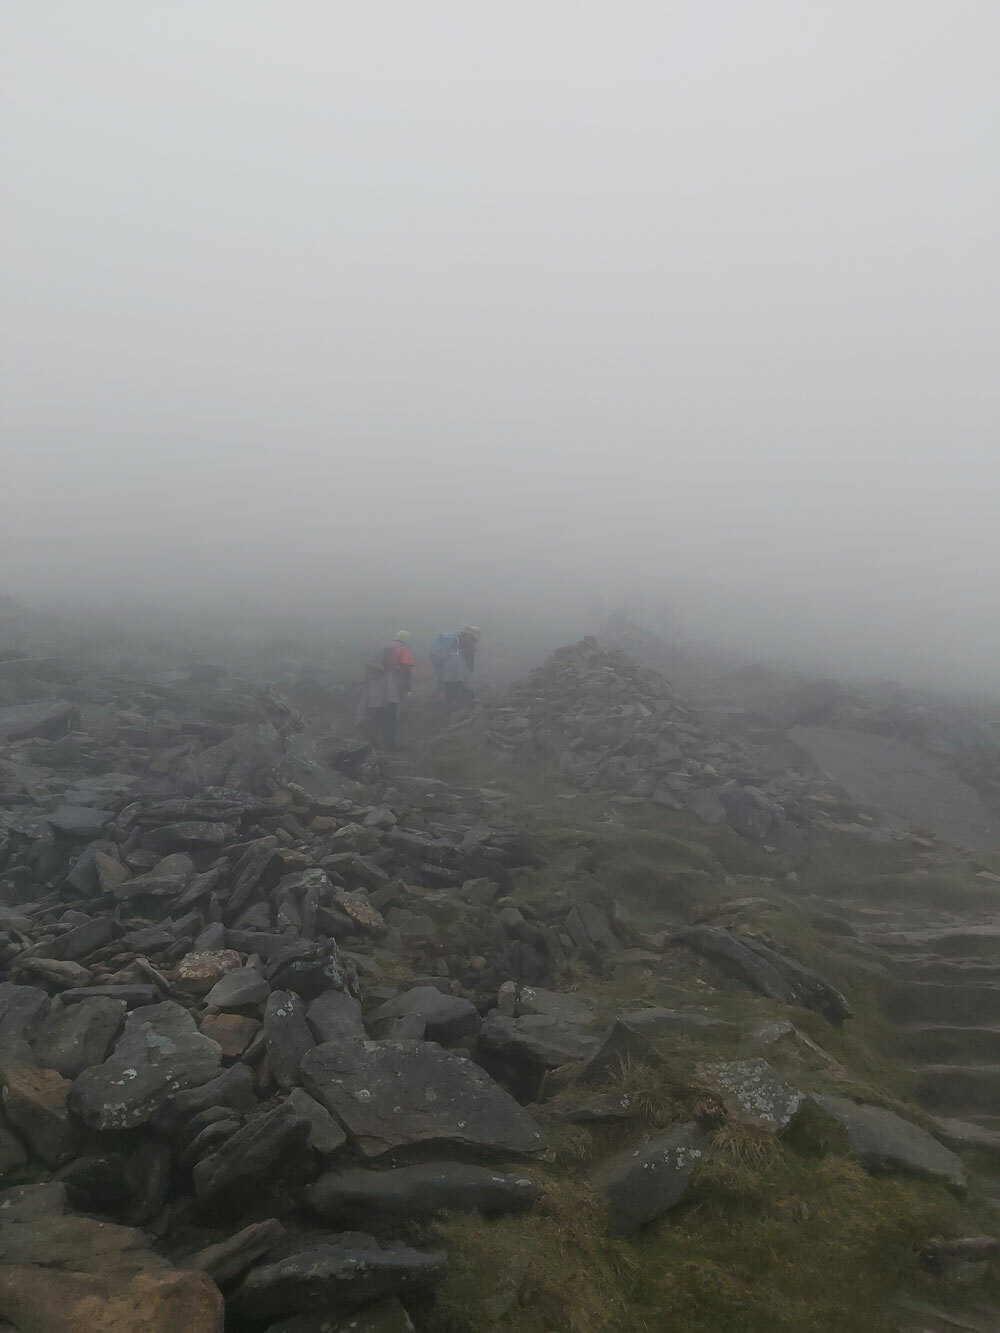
[[754, 1093], [536, 1039], [355, 1194], [347, 1271], [242, 988], [78, 821], [885, 1143], [393, 1094], [565, 1005], [446, 1018], [160, 1052]]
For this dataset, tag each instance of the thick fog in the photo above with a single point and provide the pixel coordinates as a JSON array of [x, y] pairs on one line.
[[470, 311]]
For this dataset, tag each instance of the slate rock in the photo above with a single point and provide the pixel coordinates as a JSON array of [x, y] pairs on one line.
[[68, 1274], [241, 988], [34, 1103], [325, 1136], [24, 721], [677, 1022], [564, 1005], [753, 1093], [345, 1272], [13, 1153], [78, 821], [73, 1038], [197, 973], [307, 968], [354, 1195], [150, 940], [252, 1159], [233, 1032], [193, 834], [22, 1010], [58, 973], [229, 1258], [133, 995], [642, 1183], [603, 1108], [160, 1052], [232, 1089], [886, 1144], [110, 871], [750, 812], [334, 1015], [620, 1042], [394, 1094], [536, 1039], [287, 1036], [446, 1018], [590, 929], [766, 970], [386, 1316], [84, 939]]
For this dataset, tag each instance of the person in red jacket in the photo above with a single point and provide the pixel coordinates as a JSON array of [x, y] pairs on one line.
[[388, 677]]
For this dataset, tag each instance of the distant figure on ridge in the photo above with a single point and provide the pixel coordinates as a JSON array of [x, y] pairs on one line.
[[388, 677], [453, 657]]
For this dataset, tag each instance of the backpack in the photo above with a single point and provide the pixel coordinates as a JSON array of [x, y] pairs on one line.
[[442, 648]]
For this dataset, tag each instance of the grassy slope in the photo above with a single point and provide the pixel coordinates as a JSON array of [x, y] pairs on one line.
[[773, 1238]]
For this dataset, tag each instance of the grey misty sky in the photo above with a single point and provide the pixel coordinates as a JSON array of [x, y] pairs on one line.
[[516, 300]]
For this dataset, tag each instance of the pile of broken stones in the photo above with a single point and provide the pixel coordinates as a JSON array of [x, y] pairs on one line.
[[610, 724], [264, 1007], [184, 1060]]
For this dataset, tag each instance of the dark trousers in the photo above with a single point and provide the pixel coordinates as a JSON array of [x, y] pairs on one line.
[[380, 726]]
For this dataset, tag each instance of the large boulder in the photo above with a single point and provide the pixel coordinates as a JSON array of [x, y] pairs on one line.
[[886, 1144], [160, 1052], [393, 1094], [68, 1274], [23, 721], [642, 1183]]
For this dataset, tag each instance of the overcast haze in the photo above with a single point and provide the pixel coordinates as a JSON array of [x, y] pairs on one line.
[[507, 304]]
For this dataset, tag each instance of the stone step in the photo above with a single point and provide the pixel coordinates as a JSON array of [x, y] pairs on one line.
[[922, 1317], [942, 1044], [937, 1002], [981, 941], [968, 1135], [953, 971], [958, 1087]]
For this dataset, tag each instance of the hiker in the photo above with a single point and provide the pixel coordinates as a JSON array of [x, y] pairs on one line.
[[388, 677], [453, 657]]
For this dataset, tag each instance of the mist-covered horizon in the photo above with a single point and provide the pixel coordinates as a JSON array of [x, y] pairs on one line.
[[436, 311]]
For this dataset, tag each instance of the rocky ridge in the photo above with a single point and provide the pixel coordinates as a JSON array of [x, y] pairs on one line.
[[260, 988]]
